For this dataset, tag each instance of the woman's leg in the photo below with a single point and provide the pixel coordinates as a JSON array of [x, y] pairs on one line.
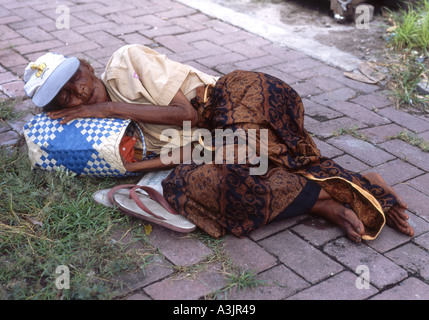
[[340, 215], [396, 216]]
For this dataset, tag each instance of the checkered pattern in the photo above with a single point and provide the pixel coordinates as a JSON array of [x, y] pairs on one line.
[[85, 146]]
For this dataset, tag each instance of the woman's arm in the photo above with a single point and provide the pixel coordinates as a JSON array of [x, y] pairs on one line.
[[173, 159], [179, 110]]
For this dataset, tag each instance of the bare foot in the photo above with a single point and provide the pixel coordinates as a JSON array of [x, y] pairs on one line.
[[396, 216], [340, 215]]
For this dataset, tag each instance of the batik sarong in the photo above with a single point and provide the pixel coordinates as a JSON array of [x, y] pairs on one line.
[[223, 198]]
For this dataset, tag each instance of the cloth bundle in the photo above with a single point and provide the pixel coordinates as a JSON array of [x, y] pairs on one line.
[[84, 146]]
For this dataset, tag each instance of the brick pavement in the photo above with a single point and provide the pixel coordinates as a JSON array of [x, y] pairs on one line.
[[298, 258]]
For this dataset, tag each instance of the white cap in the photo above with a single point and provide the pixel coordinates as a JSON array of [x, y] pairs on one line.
[[45, 77]]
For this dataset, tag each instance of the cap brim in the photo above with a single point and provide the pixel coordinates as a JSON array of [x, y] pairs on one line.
[[56, 81]]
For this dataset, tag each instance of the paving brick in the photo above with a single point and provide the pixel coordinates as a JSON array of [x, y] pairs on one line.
[[275, 227], [317, 231], [190, 57], [328, 128], [407, 153], [417, 201], [340, 287], [306, 89], [329, 98], [322, 70], [424, 136], [187, 23], [300, 256], [68, 36], [18, 125], [325, 83], [77, 48], [95, 27], [39, 46], [221, 26], [357, 85], [27, 12], [409, 289], [361, 150], [28, 23], [350, 163], [318, 111], [219, 59], [8, 138], [290, 80], [422, 240], [9, 58], [13, 89], [243, 252], [231, 37], [284, 53], [35, 34], [412, 258], [296, 65], [98, 7], [397, 171], [355, 111], [421, 183], [178, 248], [187, 287], [11, 43], [257, 63], [10, 19], [199, 35], [373, 101], [405, 120], [90, 17], [174, 44], [245, 49], [326, 149], [388, 239], [379, 134], [103, 38], [155, 270], [383, 272], [6, 77], [277, 283], [177, 12], [25, 107], [152, 21], [156, 32], [135, 37]]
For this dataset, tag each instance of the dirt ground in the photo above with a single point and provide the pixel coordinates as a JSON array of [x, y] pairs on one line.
[[313, 20]]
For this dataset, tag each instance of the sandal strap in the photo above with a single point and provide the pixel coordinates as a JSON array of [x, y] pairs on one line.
[[158, 197], [153, 194]]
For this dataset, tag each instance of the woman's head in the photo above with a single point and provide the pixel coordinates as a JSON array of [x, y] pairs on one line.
[[55, 82], [82, 88]]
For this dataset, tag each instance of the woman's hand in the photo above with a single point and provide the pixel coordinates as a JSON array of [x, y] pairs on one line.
[[96, 110]]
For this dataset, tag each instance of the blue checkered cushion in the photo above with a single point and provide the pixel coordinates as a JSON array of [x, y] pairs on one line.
[[85, 146]]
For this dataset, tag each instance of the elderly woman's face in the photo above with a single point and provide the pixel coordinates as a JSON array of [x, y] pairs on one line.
[[83, 88]]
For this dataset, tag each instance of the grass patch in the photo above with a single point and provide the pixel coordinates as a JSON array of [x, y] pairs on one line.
[[412, 139], [411, 27], [408, 66], [49, 219], [7, 111], [350, 131]]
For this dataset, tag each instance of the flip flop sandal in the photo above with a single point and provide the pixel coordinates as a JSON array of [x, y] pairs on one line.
[[151, 207], [101, 197]]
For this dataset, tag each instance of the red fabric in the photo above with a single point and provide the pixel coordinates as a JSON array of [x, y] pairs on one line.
[[126, 148]]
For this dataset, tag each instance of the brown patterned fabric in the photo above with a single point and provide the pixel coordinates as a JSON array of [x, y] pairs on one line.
[[225, 198]]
